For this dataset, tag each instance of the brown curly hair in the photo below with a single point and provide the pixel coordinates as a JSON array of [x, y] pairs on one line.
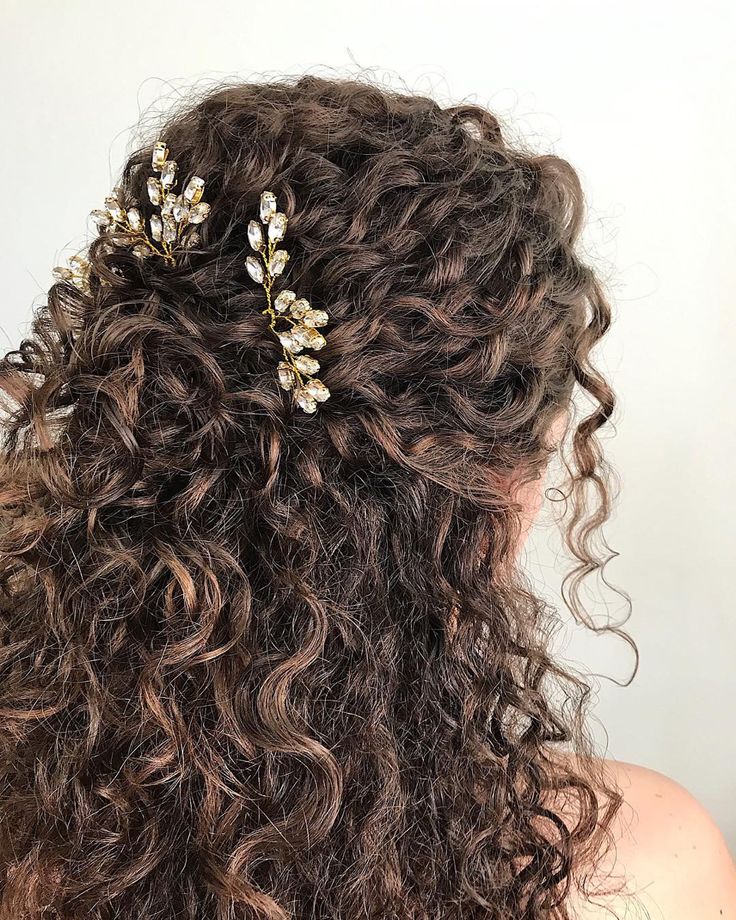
[[259, 664]]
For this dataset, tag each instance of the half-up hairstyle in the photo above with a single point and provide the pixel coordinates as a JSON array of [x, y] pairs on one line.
[[261, 664]]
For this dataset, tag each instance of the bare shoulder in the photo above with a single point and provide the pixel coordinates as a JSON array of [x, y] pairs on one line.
[[670, 852]]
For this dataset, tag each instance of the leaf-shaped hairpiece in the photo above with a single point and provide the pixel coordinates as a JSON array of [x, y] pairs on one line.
[[168, 229], [292, 319]]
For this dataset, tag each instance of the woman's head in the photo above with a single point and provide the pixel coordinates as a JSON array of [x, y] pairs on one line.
[[264, 664]]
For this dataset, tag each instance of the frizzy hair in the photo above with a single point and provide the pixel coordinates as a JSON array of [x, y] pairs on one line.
[[257, 664]]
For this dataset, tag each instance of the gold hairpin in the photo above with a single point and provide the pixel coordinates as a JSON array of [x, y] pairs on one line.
[[177, 214], [170, 228], [76, 272], [296, 371]]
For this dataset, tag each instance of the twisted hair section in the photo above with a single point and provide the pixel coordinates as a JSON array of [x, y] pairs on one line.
[[259, 664]]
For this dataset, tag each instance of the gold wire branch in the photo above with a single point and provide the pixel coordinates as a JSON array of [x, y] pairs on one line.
[[296, 372]]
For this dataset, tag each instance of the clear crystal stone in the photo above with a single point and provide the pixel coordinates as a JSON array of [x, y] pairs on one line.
[[192, 239], [301, 335], [255, 269], [168, 173], [181, 210], [305, 401], [278, 261], [158, 157], [317, 390], [300, 308], [199, 212], [277, 226], [267, 206], [316, 340], [167, 208], [194, 190], [315, 318], [287, 377], [255, 235], [289, 342], [113, 206], [156, 227], [306, 365], [169, 229], [119, 237], [155, 192], [283, 300], [142, 251], [134, 219], [101, 218]]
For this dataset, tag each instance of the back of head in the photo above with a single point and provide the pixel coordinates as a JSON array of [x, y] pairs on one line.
[[262, 663]]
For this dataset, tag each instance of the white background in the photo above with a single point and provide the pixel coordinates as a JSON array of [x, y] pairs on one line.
[[640, 98]]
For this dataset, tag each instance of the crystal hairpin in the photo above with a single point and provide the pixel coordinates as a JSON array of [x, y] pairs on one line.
[[300, 323], [76, 272], [177, 213], [168, 229]]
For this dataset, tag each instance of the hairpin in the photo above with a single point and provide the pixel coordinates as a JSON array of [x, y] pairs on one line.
[[169, 228], [299, 321], [292, 319], [76, 272]]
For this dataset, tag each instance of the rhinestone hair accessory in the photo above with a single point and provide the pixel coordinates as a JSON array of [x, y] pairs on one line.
[[172, 226], [169, 228], [76, 272], [292, 319], [177, 213]]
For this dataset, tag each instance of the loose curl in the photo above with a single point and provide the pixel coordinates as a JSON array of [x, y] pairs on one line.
[[258, 664]]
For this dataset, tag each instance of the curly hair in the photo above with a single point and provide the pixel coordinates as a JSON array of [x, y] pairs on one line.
[[259, 664]]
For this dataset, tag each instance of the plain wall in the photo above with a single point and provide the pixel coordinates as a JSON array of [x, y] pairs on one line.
[[639, 97]]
